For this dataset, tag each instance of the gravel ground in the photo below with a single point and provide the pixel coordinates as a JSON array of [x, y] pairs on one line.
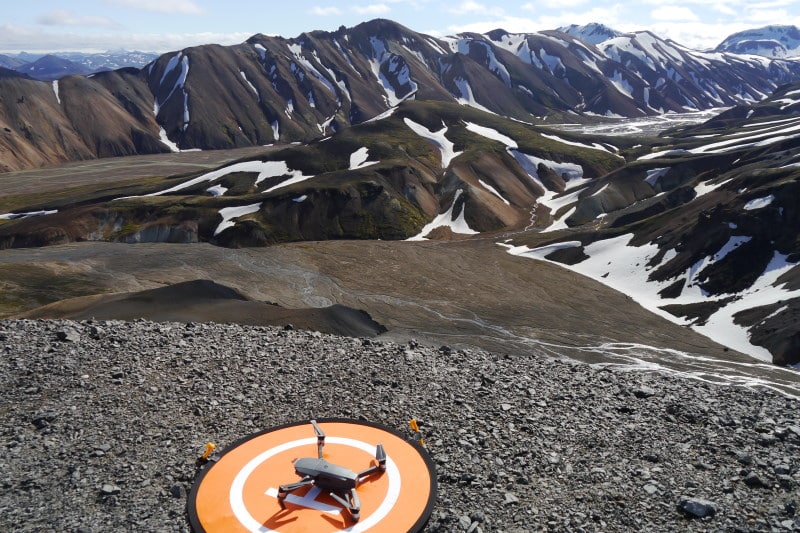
[[101, 422]]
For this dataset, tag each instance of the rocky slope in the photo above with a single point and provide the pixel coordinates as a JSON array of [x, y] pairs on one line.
[[705, 223], [102, 422], [384, 179]]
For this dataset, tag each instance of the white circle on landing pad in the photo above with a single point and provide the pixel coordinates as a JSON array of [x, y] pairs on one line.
[[247, 520]]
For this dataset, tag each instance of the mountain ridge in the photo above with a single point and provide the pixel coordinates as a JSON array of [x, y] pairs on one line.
[[274, 89]]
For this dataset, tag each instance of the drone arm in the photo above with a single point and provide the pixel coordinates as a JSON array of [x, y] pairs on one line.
[[320, 438], [380, 455]]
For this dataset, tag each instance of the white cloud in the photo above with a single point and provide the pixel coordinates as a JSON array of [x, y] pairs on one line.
[[372, 9], [64, 17], [510, 24], [554, 4], [725, 9], [17, 38], [766, 16], [673, 12], [470, 7], [698, 35], [325, 11], [188, 7]]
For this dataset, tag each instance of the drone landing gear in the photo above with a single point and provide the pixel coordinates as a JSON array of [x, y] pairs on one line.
[[349, 502], [284, 490]]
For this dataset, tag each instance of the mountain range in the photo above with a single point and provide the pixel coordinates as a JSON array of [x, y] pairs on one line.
[[48, 67], [404, 136], [273, 89]]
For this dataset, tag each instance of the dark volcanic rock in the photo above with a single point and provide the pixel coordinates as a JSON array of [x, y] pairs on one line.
[[102, 435]]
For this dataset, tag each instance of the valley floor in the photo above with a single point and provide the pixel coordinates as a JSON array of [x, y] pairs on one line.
[[463, 294]]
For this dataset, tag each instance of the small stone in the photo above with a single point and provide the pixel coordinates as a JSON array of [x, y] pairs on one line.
[[697, 507], [650, 489], [464, 522], [753, 480], [511, 498], [68, 335], [506, 406], [644, 392], [783, 469], [744, 458], [109, 490], [178, 491], [42, 422]]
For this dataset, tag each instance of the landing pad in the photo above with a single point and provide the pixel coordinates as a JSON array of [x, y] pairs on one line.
[[239, 492]]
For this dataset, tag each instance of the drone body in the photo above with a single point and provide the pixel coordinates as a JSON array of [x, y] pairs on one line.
[[340, 482]]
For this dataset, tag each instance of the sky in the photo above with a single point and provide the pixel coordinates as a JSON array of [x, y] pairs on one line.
[[166, 25]]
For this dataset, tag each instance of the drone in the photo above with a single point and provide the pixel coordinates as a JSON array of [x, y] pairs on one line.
[[340, 482]]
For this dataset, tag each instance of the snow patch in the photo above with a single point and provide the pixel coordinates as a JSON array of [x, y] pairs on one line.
[[229, 214], [456, 225], [593, 146], [467, 98], [162, 135], [264, 169], [493, 134], [358, 159], [438, 138], [493, 191], [654, 175], [28, 214], [217, 190], [759, 203], [617, 264], [705, 188], [253, 87]]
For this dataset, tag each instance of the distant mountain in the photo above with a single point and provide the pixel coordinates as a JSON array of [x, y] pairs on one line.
[[273, 89], [11, 62], [769, 41], [51, 67], [10, 73], [111, 60], [592, 33]]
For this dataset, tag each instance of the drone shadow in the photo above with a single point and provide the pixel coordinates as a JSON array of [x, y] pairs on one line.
[[281, 518]]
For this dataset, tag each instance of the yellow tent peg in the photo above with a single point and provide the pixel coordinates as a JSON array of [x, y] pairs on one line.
[[209, 449]]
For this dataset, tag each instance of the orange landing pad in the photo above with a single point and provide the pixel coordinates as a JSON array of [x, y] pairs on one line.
[[238, 492]]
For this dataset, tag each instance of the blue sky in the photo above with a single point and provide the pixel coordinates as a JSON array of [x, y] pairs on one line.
[[164, 25]]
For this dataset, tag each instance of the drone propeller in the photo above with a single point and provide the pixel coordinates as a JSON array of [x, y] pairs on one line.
[[320, 438]]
